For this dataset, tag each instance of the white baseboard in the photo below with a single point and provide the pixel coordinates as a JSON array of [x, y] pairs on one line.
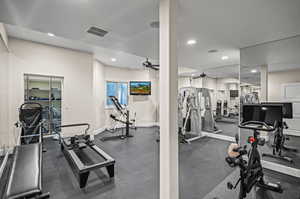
[[219, 136], [281, 168], [10, 150], [292, 132], [140, 125]]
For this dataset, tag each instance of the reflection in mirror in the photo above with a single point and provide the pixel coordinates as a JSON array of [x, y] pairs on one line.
[[271, 73], [208, 123]]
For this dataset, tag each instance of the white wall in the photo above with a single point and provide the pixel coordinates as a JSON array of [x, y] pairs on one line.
[[99, 94], [74, 66], [209, 83], [214, 84], [84, 88], [4, 71], [275, 82], [3, 35], [276, 79], [145, 107]]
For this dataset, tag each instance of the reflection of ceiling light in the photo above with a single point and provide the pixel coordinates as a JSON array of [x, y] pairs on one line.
[[191, 42], [225, 57], [253, 71], [113, 59], [50, 34]]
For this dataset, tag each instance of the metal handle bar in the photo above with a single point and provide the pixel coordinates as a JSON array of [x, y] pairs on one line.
[[244, 125]]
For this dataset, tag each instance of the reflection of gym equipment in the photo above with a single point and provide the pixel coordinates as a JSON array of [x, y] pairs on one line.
[[227, 117], [191, 123], [27, 163], [256, 118], [123, 117], [78, 151], [279, 137], [250, 98]]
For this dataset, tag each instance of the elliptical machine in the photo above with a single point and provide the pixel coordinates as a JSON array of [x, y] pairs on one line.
[[257, 118]]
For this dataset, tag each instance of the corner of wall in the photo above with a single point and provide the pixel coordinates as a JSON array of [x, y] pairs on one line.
[[3, 35]]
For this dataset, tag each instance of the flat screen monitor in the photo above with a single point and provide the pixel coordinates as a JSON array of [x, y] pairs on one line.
[[234, 93], [251, 112], [268, 113], [140, 88], [287, 108]]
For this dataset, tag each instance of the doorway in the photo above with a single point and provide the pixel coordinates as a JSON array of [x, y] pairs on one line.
[[47, 91]]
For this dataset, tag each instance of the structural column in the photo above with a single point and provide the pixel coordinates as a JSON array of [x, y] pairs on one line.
[[264, 83], [168, 101]]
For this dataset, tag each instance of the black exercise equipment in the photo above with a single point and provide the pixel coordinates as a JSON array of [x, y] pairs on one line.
[[124, 118], [30, 119], [77, 151], [256, 118], [25, 178], [279, 137]]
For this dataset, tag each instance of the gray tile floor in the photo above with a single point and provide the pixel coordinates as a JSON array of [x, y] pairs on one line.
[[202, 167], [289, 184], [229, 129]]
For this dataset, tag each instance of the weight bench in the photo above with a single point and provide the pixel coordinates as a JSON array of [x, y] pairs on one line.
[[25, 180]]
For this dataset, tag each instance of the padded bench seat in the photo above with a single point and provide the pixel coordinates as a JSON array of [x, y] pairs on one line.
[[25, 177]]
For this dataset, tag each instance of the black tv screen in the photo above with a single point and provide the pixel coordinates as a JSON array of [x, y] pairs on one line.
[[234, 93], [140, 88], [268, 113]]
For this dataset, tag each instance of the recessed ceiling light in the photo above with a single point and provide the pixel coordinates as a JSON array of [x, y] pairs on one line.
[[225, 57], [50, 34], [253, 71], [113, 59], [191, 42]]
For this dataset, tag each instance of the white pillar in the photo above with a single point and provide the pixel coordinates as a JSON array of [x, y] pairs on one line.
[[169, 188], [264, 83]]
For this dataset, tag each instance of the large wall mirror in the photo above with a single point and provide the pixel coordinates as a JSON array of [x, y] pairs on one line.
[[270, 73]]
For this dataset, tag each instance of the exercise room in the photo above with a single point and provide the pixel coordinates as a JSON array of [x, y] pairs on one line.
[[149, 99]]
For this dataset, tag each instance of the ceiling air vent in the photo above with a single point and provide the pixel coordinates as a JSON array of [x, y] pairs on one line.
[[97, 31]]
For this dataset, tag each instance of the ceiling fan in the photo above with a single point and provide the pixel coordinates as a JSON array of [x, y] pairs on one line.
[[202, 75], [148, 64]]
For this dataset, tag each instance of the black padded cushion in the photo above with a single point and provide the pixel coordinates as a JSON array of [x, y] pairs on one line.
[[25, 177]]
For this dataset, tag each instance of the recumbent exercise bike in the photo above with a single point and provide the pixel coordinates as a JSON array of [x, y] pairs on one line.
[[257, 118]]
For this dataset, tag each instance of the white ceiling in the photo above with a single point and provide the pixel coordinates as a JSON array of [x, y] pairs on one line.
[[279, 55], [222, 25]]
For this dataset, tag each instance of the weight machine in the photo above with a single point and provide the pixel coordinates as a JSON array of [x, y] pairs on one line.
[[195, 114]]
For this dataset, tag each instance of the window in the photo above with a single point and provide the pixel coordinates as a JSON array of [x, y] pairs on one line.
[[117, 89]]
